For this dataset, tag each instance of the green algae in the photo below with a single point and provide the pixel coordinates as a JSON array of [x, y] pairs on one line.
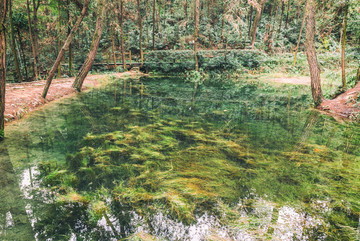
[[187, 168], [155, 163], [240, 153]]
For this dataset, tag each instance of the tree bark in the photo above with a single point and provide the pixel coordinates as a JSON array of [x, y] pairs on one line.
[[358, 76], [343, 42], [122, 32], [299, 39], [70, 46], [185, 13], [140, 29], [223, 22], [287, 14], [250, 21], [256, 21], [33, 45], [13, 45], [311, 53], [153, 22], [113, 49], [3, 18], [79, 80], [59, 37], [22, 53], [64, 48], [196, 33], [282, 15]]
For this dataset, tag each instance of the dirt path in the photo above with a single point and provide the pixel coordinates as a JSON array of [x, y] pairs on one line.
[[303, 80], [346, 105], [22, 98], [25, 97]]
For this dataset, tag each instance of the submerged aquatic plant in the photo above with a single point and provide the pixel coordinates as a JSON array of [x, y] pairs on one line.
[[164, 160]]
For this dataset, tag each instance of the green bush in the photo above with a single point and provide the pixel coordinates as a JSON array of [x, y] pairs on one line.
[[179, 61]]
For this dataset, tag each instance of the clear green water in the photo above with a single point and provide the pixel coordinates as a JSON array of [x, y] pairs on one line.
[[241, 161]]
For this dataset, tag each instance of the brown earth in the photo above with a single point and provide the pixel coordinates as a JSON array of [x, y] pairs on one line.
[[345, 105], [22, 98], [296, 80]]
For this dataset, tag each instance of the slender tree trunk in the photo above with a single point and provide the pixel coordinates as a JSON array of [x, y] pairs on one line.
[[256, 22], [141, 30], [299, 39], [113, 49], [64, 48], [22, 53], [79, 80], [13, 45], [186, 13], [223, 22], [32, 41], [282, 15], [343, 42], [358, 76], [196, 33], [153, 22], [250, 21], [3, 18], [158, 16], [311, 53], [287, 14], [70, 46], [35, 31], [59, 37], [240, 22], [122, 33]]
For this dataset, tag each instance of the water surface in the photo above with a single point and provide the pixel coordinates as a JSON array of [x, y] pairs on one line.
[[150, 159]]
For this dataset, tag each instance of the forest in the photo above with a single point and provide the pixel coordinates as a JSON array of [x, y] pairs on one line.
[[179, 119]]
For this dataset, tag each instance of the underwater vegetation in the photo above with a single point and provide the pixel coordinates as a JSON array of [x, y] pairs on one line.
[[187, 169], [237, 160]]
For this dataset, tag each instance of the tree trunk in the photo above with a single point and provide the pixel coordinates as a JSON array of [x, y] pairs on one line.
[[299, 39], [70, 46], [13, 45], [113, 49], [153, 22], [122, 33], [223, 23], [250, 20], [3, 17], [196, 33], [282, 15], [141, 30], [59, 38], [32, 41], [22, 53], [185, 13], [35, 31], [358, 76], [311, 53], [79, 80], [256, 21], [65, 48], [287, 14], [343, 42]]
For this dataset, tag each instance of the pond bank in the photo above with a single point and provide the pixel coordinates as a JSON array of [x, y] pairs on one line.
[[22, 98], [345, 105]]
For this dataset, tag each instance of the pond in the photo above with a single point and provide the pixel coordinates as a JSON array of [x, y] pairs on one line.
[[152, 159]]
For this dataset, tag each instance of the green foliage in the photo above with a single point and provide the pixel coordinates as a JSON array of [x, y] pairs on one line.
[[180, 61]]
